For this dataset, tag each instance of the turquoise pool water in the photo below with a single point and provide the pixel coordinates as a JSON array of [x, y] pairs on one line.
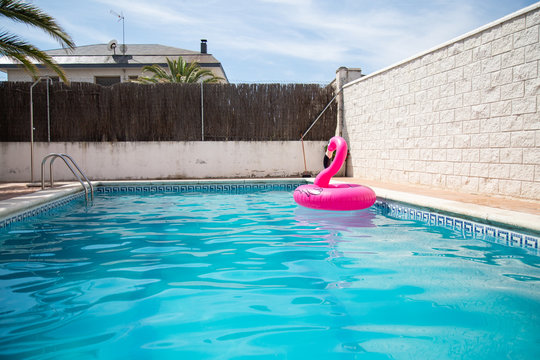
[[253, 276]]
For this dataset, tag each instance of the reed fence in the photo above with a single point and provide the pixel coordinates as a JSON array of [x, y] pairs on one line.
[[166, 112]]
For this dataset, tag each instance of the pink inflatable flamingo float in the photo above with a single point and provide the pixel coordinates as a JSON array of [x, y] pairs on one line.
[[325, 196]]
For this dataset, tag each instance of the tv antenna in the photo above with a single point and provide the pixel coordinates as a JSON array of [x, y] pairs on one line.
[[120, 16]]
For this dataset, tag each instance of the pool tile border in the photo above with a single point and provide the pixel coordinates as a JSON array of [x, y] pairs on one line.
[[40, 209], [206, 188], [115, 188], [400, 210], [468, 228]]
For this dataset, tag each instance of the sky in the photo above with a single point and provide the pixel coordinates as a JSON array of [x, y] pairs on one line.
[[266, 41]]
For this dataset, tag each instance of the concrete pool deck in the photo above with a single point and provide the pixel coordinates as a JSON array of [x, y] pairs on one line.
[[519, 205], [513, 213], [516, 213]]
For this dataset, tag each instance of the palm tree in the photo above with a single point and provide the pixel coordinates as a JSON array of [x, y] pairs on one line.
[[16, 48], [179, 71]]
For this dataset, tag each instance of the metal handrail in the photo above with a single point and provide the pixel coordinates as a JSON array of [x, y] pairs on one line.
[[80, 171], [65, 158]]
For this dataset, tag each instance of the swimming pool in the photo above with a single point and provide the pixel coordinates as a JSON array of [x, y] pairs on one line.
[[232, 272]]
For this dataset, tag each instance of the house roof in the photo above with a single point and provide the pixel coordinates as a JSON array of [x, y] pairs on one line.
[[137, 55], [132, 49]]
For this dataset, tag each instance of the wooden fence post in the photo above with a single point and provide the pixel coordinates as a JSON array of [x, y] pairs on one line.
[[202, 112]]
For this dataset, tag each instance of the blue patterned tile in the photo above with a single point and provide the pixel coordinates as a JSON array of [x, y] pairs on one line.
[[491, 231], [516, 239], [441, 220], [530, 242], [479, 229], [502, 234], [467, 228], [204, 188]]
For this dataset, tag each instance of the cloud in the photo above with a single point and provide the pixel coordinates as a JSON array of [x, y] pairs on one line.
[[360, 34], [312, 51], [372, 34], [149, 13], [272, 38], [86, 34], [376, 34]]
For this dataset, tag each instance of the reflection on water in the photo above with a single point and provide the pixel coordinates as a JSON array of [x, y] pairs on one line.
[[335, 220]]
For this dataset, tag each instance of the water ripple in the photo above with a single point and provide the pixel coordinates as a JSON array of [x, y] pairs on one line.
[[255, 276]]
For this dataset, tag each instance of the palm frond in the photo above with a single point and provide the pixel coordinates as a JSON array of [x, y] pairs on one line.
[[178, 71], [144, 80], [17, 49], [31, 15], [157, 72]]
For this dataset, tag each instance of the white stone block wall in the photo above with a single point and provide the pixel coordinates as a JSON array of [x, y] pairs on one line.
[[463, 116]]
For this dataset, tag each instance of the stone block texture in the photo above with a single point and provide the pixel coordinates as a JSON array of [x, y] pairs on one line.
[[464, 116]]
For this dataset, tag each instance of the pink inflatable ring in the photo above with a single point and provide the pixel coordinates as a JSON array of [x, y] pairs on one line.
[[324, 196]]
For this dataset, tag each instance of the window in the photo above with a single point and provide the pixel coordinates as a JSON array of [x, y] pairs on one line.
[[107, 80]]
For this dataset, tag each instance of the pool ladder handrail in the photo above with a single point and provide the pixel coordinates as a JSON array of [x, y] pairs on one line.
[[65, 158]]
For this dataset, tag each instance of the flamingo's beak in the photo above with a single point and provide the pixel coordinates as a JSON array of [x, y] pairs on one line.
[[331, 147]]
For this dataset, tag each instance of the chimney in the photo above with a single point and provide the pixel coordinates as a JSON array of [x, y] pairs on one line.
[[204, 48]]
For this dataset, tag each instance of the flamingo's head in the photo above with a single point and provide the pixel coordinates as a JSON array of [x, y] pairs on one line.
[[334, 142], [331, 147]]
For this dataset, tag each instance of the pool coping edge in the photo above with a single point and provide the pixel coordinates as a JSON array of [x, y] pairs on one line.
[[514, 220], [20, 204]]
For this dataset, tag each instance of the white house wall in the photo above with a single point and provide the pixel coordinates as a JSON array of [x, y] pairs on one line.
[[464, 116], [77, 75], [165, 160]]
